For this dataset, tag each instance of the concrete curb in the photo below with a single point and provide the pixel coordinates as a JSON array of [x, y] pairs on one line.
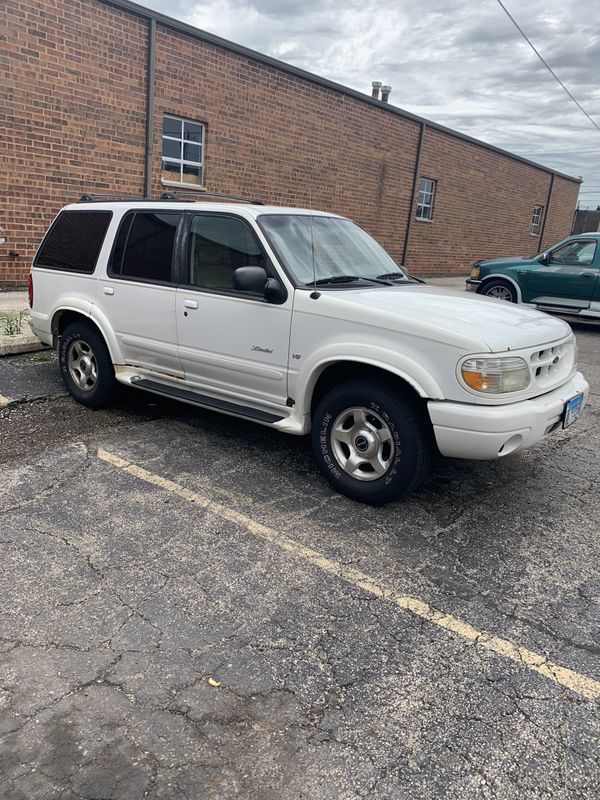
[[21, 343]]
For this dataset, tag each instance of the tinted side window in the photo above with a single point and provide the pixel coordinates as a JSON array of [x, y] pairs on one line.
[[218, 246], [74, 241], [144, 245], [579, 253]]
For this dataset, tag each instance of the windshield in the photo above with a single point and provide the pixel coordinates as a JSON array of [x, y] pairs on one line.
[[341, 249]]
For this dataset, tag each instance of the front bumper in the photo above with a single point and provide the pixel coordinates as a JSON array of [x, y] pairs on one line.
[[472, 285], [488, 432]]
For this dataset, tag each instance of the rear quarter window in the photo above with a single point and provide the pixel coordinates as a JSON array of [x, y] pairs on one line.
[[73, 242]]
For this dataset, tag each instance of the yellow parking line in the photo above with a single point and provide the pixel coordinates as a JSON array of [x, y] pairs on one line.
[[581, 684], [4, 401]]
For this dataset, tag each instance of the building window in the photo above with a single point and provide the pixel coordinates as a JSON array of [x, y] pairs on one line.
[[425, 201], [536, 220], [182, 151]]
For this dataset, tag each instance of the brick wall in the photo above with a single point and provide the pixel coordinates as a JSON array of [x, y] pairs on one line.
[[483, 207], [72, 99], [72, 119]]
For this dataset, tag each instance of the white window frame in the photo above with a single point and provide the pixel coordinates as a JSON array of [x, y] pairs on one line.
[[425, 199], [536, 220], [182, 161]]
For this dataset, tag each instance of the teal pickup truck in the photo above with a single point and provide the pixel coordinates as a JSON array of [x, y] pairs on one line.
[[564, 278]]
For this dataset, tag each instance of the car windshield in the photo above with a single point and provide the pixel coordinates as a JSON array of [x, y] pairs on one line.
[[322, 248]]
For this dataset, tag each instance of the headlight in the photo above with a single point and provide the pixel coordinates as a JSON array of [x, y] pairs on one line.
[[496, 375], [475, 272]]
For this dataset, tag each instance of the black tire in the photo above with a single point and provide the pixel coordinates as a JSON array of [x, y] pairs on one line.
[[411, 446], [83, 339], [497, 287]]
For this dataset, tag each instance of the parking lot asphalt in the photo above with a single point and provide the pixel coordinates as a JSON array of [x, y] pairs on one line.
[[190, 612]]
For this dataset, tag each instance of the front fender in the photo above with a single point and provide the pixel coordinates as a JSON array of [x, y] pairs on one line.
[[387, 360], [504, 277]]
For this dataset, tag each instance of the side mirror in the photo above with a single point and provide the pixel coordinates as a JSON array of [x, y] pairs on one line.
[[249, 279], [544, 258]]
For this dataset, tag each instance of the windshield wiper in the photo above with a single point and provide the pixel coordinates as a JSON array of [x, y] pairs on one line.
[[393, 275], [346, 279]]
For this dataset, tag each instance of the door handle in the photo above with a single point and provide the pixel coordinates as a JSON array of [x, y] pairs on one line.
[[587, 274], [190, 304], [108, 290]]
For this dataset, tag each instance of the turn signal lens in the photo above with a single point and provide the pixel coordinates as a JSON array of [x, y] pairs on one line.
[[475, 272], [496, 375]]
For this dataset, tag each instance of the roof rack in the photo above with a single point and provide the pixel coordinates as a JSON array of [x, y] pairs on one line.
[[200, 196], [88, 197]]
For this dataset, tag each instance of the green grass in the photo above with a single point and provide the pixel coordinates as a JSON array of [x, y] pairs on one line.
[[11, 322]]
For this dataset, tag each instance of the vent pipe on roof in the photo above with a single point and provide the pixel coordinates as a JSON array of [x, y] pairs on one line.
[[385, 93], [375, 90]]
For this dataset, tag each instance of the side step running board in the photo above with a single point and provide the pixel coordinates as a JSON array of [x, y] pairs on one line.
[[205, 401]]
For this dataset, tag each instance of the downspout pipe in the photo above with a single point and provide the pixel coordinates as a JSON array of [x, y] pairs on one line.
[[413, 198], [547, 211], [149, 107]]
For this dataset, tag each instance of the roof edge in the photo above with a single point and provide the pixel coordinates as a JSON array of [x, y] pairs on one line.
[[225, 44]]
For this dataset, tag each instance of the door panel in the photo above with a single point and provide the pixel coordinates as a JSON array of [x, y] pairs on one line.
[[234, 345], [143, 319], [231, 342], [138, 296], [569, 278]]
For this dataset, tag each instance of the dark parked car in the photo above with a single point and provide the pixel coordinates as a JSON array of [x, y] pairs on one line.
[[564, 278]]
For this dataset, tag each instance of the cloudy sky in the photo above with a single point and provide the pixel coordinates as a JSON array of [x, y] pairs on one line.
[[458, 62]]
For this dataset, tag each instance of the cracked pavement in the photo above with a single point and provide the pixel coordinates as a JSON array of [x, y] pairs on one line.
[[122, 600]]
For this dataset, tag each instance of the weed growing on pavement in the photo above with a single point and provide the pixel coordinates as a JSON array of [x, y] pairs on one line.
[[11, 322]]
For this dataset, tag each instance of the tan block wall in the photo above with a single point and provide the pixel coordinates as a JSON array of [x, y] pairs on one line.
[[72, 119]]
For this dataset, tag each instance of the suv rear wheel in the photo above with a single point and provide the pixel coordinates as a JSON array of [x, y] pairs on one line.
[[372, 444], [86, 365]]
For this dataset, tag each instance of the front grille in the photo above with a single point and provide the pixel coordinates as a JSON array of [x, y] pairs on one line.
[[551, 364]]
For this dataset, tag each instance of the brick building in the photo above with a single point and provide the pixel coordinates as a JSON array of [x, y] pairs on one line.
[[110, 97]]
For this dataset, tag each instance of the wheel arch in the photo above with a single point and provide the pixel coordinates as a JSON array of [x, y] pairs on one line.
[[503, 277], [332, 373], [66, 315]]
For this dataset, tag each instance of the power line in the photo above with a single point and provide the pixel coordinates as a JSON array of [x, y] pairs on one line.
[[545, 63]]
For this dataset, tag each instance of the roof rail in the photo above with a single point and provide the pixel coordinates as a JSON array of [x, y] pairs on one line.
[[200, 196], [88, 197]]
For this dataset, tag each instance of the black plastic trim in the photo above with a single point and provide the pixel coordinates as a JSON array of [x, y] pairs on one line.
[[205, 401]]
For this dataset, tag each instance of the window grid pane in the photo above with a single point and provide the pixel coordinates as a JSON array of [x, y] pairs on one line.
[[536, 219], [425, 199], [185, 164]]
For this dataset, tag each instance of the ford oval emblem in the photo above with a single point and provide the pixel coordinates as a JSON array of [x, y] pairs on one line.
[[556, 360]]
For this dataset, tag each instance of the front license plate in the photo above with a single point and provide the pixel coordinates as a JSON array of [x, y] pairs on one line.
[[572, 410]]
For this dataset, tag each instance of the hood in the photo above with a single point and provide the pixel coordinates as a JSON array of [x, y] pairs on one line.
[[456, 318], [505, 262]]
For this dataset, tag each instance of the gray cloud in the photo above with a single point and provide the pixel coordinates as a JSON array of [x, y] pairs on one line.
[[454, 61]]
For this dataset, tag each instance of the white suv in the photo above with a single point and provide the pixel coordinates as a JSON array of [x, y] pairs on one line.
[[298, 320]]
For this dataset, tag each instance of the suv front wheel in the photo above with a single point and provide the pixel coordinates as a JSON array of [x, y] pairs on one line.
[[372, 444], [86, 365]]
